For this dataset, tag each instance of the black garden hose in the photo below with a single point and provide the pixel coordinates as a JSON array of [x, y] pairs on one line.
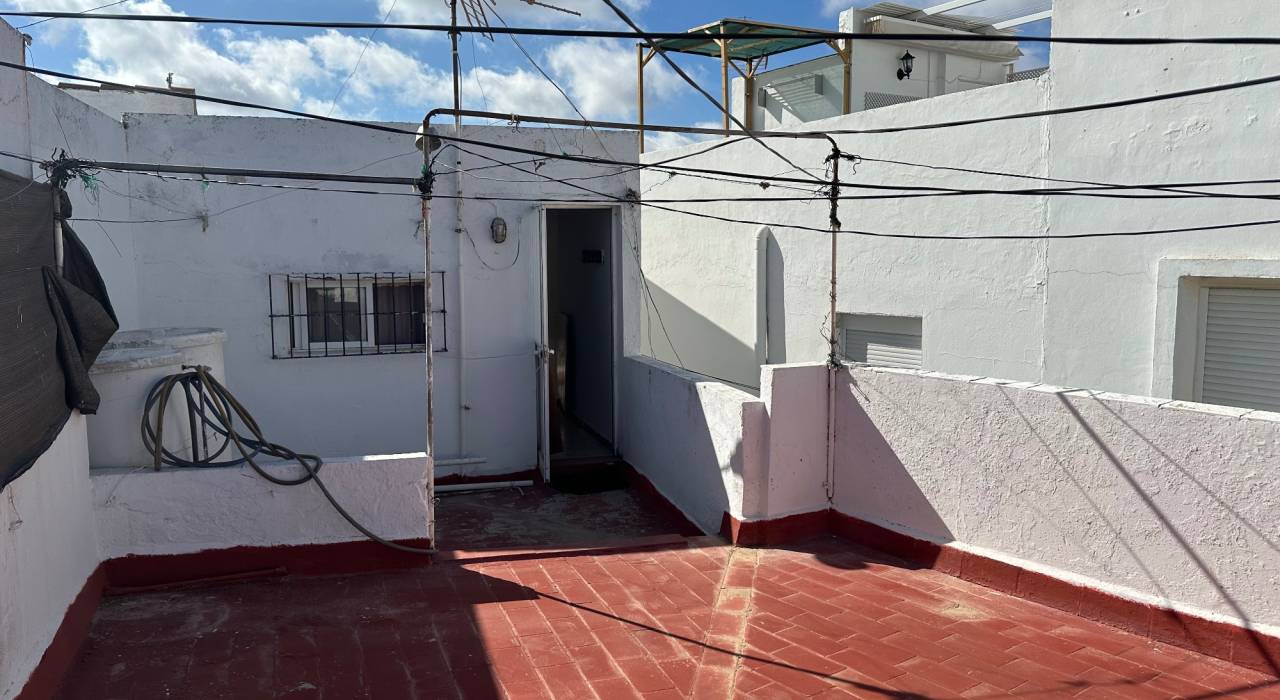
[[211, 407]]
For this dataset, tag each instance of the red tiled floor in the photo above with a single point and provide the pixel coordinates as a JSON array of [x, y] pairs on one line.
[[823, 620]]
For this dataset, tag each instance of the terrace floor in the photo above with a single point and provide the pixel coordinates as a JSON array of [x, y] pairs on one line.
[[684, 617]]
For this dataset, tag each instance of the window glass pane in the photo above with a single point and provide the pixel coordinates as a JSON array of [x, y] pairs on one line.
[[335, 315], [397, 312]]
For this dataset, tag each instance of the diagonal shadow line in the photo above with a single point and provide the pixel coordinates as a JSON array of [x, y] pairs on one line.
[[886, 692], [1084, 492], [1254, 637], [1191, 477]]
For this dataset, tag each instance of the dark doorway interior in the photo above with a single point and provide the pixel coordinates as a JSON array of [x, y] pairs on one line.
[[580, 307]]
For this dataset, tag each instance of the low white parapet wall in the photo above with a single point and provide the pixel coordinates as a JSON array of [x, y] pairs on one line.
[[47, 553], [1162, 501], [698, 441], [179, 511]]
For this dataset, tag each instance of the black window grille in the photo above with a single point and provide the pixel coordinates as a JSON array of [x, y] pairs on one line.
[[343, 314]]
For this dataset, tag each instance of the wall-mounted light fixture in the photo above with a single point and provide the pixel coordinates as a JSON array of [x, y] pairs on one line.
[[907, 63], [498, 229]]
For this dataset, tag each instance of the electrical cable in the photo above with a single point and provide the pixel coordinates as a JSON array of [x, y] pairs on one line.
[[554, 84], [1098, 189], [603, 161], [211, 407], [879, 234], [359, 59], [82, 12], [816, 35], [722, 108]]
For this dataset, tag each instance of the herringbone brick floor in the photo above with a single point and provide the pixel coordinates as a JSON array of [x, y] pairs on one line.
[[701, 620]]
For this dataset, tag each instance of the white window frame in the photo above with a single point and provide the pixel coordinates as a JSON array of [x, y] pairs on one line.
[[889, 324], [1202, 320], [302, 318], [1179, 315]]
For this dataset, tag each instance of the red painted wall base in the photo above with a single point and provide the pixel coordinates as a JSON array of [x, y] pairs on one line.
[[307, 559], [65, 647], [756, 533], [1222, 640]]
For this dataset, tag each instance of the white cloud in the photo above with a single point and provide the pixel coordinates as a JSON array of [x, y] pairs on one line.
[[305, 72], [515, 12], [598, 74]]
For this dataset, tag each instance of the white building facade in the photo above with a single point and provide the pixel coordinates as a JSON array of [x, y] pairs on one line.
[[813, 90], [1180, 315]]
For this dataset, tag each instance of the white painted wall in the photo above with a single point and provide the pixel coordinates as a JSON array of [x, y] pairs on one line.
[[1073, 312], [47, 552], [712, 449], [359, 405], [701, 443], [38, 120], [1094, 487], [117, 102], [178, 511], [940, 69]]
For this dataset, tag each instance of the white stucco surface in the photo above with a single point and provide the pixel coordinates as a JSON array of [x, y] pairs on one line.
[[140, 511], [47, 552], [1152, 499], [118, 102], [711, 448], [701, 443], [1079, 312], [371, 404], [39, 120]]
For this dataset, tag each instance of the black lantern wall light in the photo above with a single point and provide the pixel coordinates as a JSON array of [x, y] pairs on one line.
[[907, 63]]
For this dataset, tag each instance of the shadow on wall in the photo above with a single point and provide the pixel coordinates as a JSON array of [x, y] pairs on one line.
[[775, 302], [685, 436], [1170, 527], [1002, 468], [679, 335], [880, 475]]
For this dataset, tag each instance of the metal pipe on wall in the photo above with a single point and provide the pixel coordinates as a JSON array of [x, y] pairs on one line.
[[428, 317], [459, 231]]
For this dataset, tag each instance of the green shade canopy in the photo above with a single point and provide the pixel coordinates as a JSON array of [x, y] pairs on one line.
[[702, 40]]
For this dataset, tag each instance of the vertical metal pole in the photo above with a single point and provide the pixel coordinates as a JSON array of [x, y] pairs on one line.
[[427, 319], [457, 72], [458, 229], [847, 56], [640, 92], [833, 362], [724, 80], [58, 252]]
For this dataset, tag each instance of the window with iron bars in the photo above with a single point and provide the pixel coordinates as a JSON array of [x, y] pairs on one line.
[[343, 314]]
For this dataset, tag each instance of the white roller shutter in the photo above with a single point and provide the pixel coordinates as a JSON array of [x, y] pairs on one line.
[[886, 341], [1240, 357]]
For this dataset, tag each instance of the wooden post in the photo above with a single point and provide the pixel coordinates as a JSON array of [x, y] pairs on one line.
[[749, 96]]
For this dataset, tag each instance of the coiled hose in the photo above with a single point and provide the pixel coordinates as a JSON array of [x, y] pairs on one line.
[[212, 408]]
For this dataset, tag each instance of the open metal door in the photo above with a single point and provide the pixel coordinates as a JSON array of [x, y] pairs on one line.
[[542, 355]]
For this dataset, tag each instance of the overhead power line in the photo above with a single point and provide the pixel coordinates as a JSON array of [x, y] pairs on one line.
[[660, 36], [1170, 190], [879, 234], [608, 161], [82, 12], [723, 108], [603, 196]]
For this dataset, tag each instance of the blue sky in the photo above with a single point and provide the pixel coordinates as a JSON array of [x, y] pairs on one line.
[[403, 74]]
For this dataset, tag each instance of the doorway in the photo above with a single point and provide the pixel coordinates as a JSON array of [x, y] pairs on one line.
[[579, 323]]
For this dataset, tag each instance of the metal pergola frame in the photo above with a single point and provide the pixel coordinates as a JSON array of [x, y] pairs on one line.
[[749, 52]]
